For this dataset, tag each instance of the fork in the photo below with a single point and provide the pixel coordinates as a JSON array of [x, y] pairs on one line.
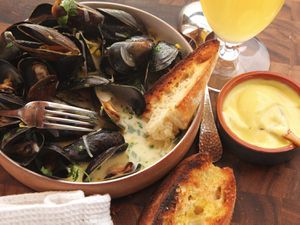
[[50, 115]]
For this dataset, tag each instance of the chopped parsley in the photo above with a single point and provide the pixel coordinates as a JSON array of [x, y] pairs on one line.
[[46, 171], [71, 9]]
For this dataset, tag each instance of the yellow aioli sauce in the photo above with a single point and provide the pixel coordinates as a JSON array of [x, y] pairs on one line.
[[260, 111]]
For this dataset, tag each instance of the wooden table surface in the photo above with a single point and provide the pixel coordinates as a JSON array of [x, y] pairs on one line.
[[265, 195]]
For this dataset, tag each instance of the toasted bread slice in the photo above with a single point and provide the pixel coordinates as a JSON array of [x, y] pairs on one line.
[[196, 193], [173, 100]]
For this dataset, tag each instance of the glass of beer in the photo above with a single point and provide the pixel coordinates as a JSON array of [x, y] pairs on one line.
[[235, 23]]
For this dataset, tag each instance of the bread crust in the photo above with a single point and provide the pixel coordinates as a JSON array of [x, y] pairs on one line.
[[162, 206]]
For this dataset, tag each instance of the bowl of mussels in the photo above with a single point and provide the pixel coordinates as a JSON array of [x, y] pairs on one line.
[[75, 54]]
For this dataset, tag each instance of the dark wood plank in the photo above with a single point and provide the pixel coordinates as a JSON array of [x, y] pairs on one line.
[[266, 195]]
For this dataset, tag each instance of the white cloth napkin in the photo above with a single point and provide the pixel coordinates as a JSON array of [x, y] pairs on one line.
[[55, 208]]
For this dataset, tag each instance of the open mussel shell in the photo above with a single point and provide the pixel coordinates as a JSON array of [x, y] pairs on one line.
[[83, 82], [93, 144], [10, 79], [164, 57], [40, 79], [52, 162], [76, 15], [119, 99], [103, 157], [164, 54], [22, 144], [42, 15], [119, 25], [44, 42], [9, 101], [121, 171], [129, 56]]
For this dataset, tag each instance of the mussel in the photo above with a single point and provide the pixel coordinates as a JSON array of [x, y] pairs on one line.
[[40, 79], [44, 42], [42, 15], [52, 162], [119, 25], [130, 56], [75, 15], [22, 144], [10, 79], [163, 58], [120, 100], [93, 144]]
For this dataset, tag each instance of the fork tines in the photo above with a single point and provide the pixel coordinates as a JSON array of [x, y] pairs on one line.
[[65, 117]]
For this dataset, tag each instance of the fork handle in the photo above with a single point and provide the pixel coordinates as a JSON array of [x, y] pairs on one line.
[[14, 113]]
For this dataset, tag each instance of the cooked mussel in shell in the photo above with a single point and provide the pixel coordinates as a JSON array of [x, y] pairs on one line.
[[44, 42], [119, 25], [10, 79], [92, 144], [22, 144], [52, 162], [40, 79], [119, 100], [72, 14], [130, 56]]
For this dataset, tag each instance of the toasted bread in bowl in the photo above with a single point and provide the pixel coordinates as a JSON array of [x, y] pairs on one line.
[[196, 192], [174, 99]]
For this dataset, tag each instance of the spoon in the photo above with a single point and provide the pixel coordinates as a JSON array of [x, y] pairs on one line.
[[274, 121], [193, 26]]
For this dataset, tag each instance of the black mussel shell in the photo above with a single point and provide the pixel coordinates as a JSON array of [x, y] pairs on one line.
[[8, 50], [122, 171], [129, 56], [119, 25], [128, 95], [83, 82], [40, 79], [52, 162], [77, 16], [103, 157], [10, 101], [44, 42], [42, 15], [10, 79], [163, 56], [22, 144], [93, 144]]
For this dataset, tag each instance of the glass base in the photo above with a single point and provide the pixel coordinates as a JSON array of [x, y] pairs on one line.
[[253, 56]]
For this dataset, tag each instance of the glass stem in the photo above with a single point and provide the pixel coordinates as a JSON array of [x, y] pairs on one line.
[[228, 58]]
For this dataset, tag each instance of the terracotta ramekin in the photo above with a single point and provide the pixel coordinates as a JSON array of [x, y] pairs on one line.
[[243, 149]]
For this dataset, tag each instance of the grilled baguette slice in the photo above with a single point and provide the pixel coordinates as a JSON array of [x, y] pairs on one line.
[[173, 100], [196, 193]]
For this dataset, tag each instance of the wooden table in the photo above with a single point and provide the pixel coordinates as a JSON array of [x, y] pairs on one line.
[[266, 195]]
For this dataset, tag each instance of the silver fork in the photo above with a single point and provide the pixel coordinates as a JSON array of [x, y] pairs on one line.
[[50, 115]]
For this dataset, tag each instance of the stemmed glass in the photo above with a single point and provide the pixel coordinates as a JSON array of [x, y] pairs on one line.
[[236, 23]]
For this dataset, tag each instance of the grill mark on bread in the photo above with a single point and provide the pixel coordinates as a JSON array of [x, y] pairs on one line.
[[162, 208]]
